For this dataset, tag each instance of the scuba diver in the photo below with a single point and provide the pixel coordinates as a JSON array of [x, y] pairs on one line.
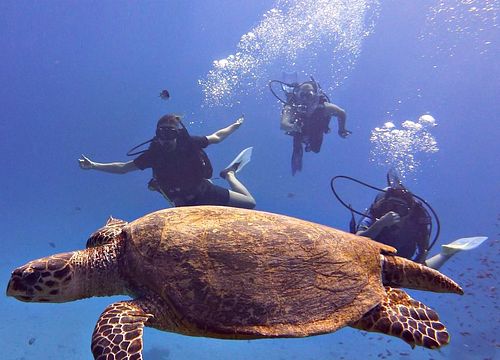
[[306, 117], [397, 219], [401, 219], [181, 168]]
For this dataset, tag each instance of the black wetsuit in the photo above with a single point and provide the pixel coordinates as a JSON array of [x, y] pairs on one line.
[[412, 240], [179, 173], [313, 127]]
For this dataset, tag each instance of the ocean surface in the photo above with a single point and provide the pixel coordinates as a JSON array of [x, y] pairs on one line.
[[84, 77]]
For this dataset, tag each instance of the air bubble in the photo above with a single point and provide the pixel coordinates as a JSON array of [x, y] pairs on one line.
[[294, 34], [402, 148]]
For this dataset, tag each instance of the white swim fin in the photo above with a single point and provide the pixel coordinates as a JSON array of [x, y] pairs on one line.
[[239, 162], [243, 158], [467, 243]]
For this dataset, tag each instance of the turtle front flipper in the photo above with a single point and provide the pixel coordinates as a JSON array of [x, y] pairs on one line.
[[108, 232], [118, 332], [401, 316], [400, 272]]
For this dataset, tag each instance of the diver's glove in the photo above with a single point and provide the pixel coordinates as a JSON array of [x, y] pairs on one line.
[[239, 121], [343, 133]]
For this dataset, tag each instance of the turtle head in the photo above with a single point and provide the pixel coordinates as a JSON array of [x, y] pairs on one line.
[[45, 280]]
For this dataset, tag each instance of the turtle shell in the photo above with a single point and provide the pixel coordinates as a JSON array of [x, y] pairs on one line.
[[236, 273]]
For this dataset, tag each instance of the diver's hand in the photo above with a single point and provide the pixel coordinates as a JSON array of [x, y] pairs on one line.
[[239, 121], [343, 133], [85, 163], [389, 219]]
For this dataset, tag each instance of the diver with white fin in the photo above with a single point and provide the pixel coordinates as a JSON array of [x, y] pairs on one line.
[[401, 219], [181, 168], [306, 116]]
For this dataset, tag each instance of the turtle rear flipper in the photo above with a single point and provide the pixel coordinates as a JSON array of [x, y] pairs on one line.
[[401, 316], [107, 233], [119, 331]]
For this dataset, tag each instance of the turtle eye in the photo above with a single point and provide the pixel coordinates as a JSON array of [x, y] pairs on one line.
[[30, 276]]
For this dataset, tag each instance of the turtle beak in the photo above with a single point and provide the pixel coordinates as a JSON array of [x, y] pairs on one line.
[[21, 283], [10, 288], [44, 280]]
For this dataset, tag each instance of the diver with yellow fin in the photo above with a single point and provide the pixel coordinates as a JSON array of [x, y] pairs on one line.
[[401, 219]]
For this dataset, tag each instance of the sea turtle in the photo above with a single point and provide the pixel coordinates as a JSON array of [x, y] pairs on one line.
[[235, 274]]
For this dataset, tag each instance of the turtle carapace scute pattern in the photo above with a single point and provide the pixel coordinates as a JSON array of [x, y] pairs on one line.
[[233, 273]]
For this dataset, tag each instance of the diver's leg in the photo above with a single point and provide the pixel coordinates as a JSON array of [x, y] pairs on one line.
[[297, 154], [440, 259], [239, 196], [437, 261]]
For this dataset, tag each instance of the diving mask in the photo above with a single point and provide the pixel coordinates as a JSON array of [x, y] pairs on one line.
[[306, 96], [384, 206], [167, 133]]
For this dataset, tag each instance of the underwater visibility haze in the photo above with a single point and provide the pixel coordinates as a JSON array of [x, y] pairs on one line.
[[419, 82]]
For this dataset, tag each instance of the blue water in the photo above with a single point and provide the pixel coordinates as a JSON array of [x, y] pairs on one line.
[[84, 77]]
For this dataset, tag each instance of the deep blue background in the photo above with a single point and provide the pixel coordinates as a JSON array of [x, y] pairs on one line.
[[83, 77]]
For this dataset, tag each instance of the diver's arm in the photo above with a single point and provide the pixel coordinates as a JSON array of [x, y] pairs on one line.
[[387, 220], [372, 231], [339, 113], [114, 167], [287, 119], [221, 134]]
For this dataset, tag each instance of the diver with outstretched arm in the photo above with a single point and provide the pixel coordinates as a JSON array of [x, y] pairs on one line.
[[125, 167], [181, 168]]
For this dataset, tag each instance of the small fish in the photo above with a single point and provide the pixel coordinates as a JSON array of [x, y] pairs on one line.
[[77, 208], [52, 245], [290, 195], [31, 341], [165, 95]]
